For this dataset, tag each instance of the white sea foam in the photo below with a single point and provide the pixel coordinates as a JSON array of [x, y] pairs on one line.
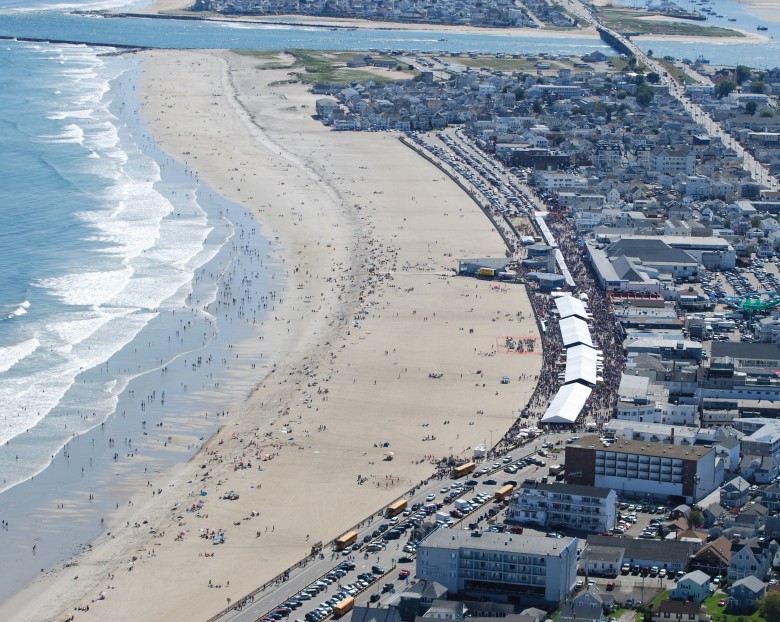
[[148, 248], [103, 137], [71, 114], [71, 133], [87, 289], [20, 310], [11, 355], [73, 328], [96, 5]]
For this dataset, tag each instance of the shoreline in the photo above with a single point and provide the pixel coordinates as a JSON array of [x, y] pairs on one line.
[[115, 453], [337, 23], [173, 9], [327, 218]]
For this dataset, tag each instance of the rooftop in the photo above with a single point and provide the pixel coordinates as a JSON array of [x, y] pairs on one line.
[[622, 446], [570, 489], [739, 350], [533, 545]]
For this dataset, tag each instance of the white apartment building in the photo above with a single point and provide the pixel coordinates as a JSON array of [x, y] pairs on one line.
[[669, 161], [501, 566], [564, 505], [769, 330], [553, 180]]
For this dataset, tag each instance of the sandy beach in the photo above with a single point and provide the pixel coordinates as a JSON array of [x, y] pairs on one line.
[[369, 234], [178, 6], [763, 9]]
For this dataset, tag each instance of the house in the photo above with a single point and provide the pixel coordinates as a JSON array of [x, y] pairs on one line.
[[735, 494], [583, 609], [694, 586], [673, 556], [367, 614], [417, 600], [713, 558], [679, 611], [601, 561], [751, 557], [713, 513], [748, 521], [771, 497], [744, 593]]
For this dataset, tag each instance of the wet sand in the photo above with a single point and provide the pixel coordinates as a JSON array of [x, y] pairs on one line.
[[368, 234]]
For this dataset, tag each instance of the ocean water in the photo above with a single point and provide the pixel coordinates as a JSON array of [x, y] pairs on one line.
[[117, 263], [118, 274], [99, 243]]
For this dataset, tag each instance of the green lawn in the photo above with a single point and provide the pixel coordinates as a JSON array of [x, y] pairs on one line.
[[312, 66], [718, 615], [322, 66], [497, 64], [629, 21]]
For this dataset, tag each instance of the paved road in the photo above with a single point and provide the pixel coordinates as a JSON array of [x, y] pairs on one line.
[[301, 578], [750, 164]]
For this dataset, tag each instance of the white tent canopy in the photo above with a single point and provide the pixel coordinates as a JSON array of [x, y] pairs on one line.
[[581, 365], [567, 404], [575, 331], [569, 305]]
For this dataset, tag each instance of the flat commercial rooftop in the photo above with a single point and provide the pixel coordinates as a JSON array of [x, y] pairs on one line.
[[533, 545], [623, 446]]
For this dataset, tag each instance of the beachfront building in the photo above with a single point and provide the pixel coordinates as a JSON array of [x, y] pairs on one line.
[[583, 508], [644, 470], [500, 566], [671, 555], [714, 253], [640, 264]]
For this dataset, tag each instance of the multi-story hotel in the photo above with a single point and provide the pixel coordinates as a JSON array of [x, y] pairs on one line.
[[502, 566], [637, 469], [584, 508]]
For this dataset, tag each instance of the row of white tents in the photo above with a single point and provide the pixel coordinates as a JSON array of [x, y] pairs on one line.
[[583, 362]]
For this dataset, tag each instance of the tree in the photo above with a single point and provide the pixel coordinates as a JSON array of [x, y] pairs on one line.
[[766, 113], [519, 93], [743, 73], [537, 107], [724, 88], [653, 77], [644, 95], [769, 606], [695, 517], [755, 221], [751, 108], [757, 87]]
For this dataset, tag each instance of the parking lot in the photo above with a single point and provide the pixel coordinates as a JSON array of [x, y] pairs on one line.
[[389, 544], [381, 560]]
